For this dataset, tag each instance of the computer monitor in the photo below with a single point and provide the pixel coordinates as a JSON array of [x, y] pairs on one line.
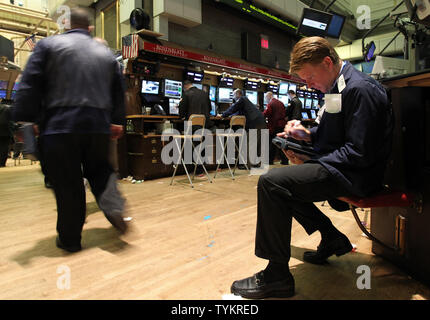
[[3, 94], [150, 87], [302, 100], [212, 93], [273, 88], [226, 82], [283, 88], [336, 24], [251, 85], [213, 108], [315, 103], [3, 85], [369, 51], [313, 114], [225, 95], [174, 106], [198, 86], [252, 96], [308, 103], [285, 99], [314, 23], [172, 88], [305, 115], [293, 87], [194, 76]]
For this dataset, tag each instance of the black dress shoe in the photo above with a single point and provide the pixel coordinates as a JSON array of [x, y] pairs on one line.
[[118, 222], [48, 184], [255, 287], [67, 248], [338, 246]]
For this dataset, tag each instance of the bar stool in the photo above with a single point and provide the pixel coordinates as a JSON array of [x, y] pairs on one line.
[[198, 120], [238, 122]]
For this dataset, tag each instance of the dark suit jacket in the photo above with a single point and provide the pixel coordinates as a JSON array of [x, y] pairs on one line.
[[356, 142], [244, 107], [195, 101], [294, 111]]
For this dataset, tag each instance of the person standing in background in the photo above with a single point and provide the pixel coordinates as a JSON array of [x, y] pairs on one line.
[[275, 114], [294, 110]]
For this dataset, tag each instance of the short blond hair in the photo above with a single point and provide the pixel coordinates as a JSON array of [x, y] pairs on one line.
[[311, 50]]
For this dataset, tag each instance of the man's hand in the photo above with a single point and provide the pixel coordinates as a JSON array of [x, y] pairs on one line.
[[295, 130], [116, 131], [295, 158]]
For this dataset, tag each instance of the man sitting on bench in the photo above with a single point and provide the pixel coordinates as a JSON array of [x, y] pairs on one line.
[[353, 141]]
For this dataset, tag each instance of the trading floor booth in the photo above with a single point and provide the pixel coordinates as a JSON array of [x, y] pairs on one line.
[[407, 228]]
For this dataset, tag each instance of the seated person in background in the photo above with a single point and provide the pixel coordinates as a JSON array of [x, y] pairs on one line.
[[354, 142], [195, 101]]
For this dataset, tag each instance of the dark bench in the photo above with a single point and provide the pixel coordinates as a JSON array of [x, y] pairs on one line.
[[385, 198]]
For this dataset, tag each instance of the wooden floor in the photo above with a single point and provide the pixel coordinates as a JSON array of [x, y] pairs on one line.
[[185, 244]]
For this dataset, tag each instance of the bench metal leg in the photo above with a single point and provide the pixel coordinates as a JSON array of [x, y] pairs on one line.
[[367, 233]]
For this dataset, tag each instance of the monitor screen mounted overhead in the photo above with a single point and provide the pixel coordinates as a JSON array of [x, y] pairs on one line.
[[335, 28], [314, 23]]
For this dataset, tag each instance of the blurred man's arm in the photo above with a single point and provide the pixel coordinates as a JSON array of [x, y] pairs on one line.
[[28, 100], [118, 99]]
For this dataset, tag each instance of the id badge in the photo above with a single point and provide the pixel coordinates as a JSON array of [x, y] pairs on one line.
[[333, 103]]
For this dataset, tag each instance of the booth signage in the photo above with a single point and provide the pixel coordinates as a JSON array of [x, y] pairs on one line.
[[180, 53]]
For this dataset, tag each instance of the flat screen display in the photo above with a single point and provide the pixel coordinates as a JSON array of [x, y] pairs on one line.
[[305, 115], [314, 23], [212, 93], [3, 94], [335, 27], [194, 76], [313, 114], [308, 103], [252, 96], [293, 87], [225, 95], [150, 87], [273, 88], [283, 88], [172, 88], [251, 85], [302, 100], [315, 104], [3, 85], [285, 99], [174, 106], [226, 82], [213, 108]]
